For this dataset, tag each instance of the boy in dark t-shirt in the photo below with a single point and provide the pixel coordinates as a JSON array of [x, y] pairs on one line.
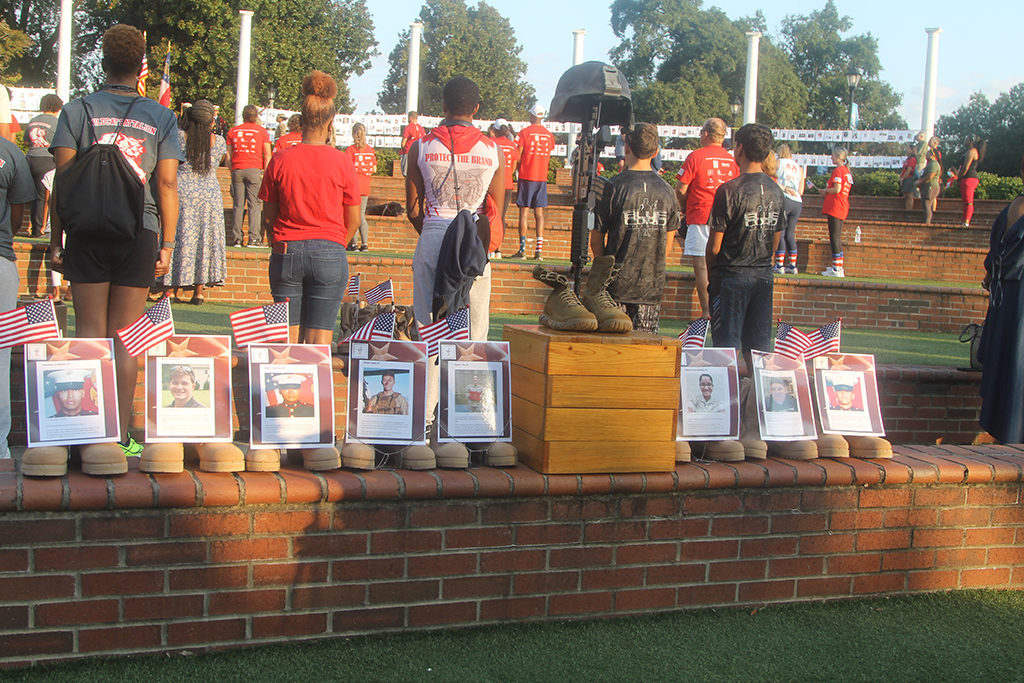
[[634, 219], [747, 219]]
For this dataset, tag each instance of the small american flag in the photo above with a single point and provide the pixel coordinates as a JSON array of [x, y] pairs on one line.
[[824, 340], [261, 324], [353, 285], [379, 293], [141, 85], [790, 342], [153, 327], [381, 328], [695, 334], [454, 326], [28, 324]]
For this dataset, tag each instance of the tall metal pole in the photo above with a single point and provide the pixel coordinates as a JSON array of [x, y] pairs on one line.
[[931, 74], [244, 48], [64, 51], [412, 79], [750, 91]]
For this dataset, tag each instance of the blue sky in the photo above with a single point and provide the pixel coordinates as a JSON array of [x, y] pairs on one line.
[[975, 53]]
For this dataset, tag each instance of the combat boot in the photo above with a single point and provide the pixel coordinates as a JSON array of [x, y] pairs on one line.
[[610, 318], [563, 309]]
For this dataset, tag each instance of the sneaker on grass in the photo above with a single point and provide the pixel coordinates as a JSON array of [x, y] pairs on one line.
[[778, 270], [832, 271], [791, 270]]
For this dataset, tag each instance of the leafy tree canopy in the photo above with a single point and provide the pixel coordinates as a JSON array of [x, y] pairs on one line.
[[289, 39], [36, 65], [13, 44], [456, 40], [999, 123]]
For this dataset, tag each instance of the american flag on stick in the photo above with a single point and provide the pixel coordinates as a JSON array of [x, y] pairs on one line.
[[791, 342], [353, 286], [379, 293], [165, 80], [153, 327], [261, 324], [141, 85], [34, 322], [381, 328], [454, 326], [695, 334]]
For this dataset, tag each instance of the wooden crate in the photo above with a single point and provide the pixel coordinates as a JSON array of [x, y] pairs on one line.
[[591, 402]]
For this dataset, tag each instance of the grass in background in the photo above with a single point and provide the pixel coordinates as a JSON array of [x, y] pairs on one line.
[[948, 637]]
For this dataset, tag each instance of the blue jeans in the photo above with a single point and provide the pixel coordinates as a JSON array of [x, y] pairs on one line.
[[312, 275], [741, 313]]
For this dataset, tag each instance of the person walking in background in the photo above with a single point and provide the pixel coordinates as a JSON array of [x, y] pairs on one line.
[[282, 126], [38, 136], [908, 178], [968, 175], [929, 184], [248, 155], [790, 176], [535, 143], [933, 145], [835, 208], [365, 161], [311, 201], [199, 260], [700, 176], [413, 131], [292, 137]]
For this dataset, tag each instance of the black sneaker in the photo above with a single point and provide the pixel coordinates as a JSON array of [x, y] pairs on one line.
[[519, 254], [236, 243], [364, 248]]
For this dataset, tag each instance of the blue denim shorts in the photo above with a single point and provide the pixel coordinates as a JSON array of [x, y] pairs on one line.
[[312, 275]]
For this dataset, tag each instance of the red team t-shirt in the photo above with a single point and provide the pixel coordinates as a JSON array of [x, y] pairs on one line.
[[511, 152], [838, 204], [246, 141], [411, 134], [287, 140], [704, 171], [535, 144], [365, 161], [312, 185]]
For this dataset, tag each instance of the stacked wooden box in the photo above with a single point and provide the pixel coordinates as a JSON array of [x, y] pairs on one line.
[[592, 402]]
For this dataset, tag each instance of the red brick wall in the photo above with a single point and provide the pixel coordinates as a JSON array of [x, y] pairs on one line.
[[200, 560]]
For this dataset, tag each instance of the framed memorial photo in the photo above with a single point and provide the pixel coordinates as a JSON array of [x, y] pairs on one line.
[[847, 395], [70, 392], [188, 390], [387, 392], [783, 393], [476, 391], [709, 398], [291, 396]]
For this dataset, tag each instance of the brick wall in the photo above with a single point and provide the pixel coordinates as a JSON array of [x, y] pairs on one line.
[[146, 564]]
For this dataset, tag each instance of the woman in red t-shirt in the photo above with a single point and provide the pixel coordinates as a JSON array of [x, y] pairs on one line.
[[365, 161], [836, 207], [310, 199]]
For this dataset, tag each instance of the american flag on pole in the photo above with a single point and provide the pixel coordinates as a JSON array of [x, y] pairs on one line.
[[141, 85], [379, 293], [824, 340], [153, 327], [454, 326], [790, 342], [695, 334], [165, 80], [353, 286], [261, 324], [28, 324], [381, 328]]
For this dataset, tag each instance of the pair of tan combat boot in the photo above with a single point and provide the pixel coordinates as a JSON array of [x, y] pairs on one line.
[[596, 312], [453, 455], [751, 446]]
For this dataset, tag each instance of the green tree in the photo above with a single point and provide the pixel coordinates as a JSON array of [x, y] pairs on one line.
[[456, 40], [289, 39], [13, 44], [821, 56], [36, 66], [685, 64], [1000, 123]]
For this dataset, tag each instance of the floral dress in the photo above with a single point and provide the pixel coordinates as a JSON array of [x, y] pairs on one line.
[[199, 246]]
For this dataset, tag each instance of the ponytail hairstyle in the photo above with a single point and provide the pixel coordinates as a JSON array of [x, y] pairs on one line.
[[318, 91], [841, 153], [359, 135], [197, 122]]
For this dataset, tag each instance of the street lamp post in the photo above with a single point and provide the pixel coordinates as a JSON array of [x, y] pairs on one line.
[[852, 80], [735, 107], [271, 94]]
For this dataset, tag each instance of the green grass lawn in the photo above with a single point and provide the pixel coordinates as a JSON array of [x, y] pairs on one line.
[[968, 636], [893, 346]]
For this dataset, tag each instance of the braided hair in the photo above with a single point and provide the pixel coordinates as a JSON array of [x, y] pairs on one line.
[[197, 122]]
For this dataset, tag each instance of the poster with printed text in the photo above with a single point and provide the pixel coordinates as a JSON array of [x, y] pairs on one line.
[[476, 392], [291, 396], [846, 390], [188, 390], [783, 393], [709, 399], [387, 392], [70, 392]]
